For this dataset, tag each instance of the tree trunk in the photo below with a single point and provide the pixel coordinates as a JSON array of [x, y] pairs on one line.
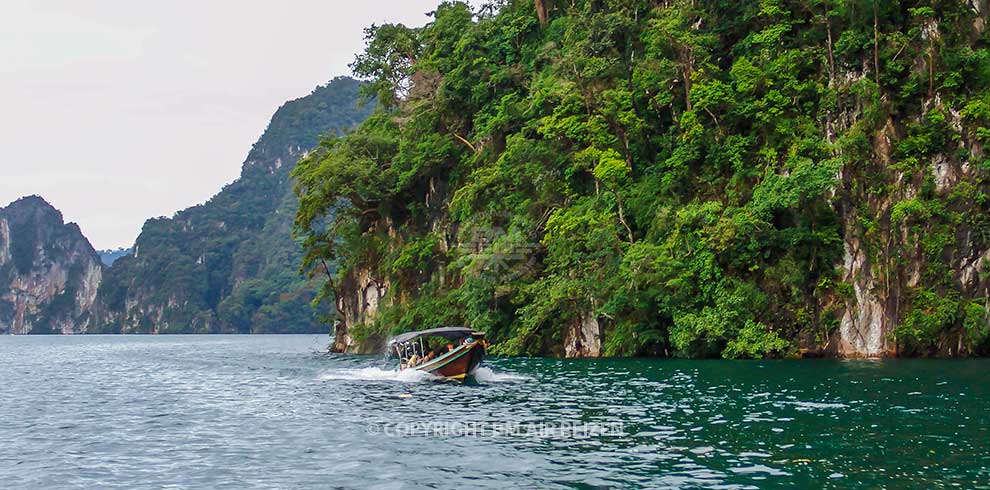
[[831, 56], [687, 70], [829, 123], [876, 45], [541, 11], [622, 217]]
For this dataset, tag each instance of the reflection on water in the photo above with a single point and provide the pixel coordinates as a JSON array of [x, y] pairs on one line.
[[272, 412]]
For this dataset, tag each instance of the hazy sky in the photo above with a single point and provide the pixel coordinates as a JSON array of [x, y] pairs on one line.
[[116, 111]]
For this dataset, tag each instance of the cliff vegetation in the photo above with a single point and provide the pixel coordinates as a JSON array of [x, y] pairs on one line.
[[678, 178]]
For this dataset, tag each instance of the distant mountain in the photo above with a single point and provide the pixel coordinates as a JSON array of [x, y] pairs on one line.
[[49, 272], [230, 265], [110, 256]]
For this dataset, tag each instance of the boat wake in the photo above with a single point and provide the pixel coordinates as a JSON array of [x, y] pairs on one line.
[[377, 374], [482, 375], [486, 375]]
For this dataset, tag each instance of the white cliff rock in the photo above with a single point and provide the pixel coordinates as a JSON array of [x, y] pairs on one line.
[[49, 272]]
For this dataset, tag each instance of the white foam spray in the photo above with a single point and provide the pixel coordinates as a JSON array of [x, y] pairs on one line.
[[482, 375], [377, 374], [485, 375]]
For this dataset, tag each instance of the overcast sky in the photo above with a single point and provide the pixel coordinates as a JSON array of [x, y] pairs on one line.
[[116, 111]]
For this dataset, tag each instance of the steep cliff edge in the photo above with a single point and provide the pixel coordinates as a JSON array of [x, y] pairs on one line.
[[49, 272]]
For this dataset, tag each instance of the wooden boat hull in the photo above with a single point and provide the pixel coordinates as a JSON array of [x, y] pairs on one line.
[[457, 364]]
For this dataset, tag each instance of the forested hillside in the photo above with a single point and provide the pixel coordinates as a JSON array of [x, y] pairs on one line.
[[230, 264], [685, 178]]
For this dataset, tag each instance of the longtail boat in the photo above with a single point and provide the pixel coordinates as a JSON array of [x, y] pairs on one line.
[[458, 354]]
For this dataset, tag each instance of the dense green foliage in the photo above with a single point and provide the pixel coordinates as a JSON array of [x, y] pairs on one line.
[[686, 172], [231, 265]]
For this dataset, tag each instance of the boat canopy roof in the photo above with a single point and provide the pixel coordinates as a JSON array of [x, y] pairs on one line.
[[445, 332]]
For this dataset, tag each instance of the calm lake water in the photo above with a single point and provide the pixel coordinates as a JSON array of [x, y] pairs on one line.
[[237, 412]]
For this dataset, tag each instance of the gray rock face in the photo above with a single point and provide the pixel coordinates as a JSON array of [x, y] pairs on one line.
[[49, 272], [360, 297], [583, 337], [866, 322]]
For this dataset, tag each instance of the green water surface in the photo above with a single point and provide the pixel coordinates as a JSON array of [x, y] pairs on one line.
[[271, 412]]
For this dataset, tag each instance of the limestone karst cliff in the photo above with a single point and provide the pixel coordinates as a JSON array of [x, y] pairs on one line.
[[698, 179], [49, 272]]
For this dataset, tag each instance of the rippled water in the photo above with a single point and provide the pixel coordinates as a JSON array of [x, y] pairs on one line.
[[271, 412]]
